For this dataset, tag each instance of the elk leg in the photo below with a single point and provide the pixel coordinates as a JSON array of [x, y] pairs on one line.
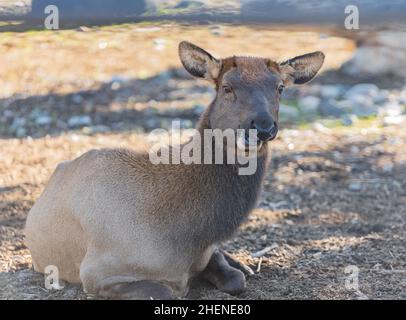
[[225, 277], [138, 290]]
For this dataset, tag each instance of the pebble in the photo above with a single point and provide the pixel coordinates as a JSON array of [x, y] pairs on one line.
[[115, 85], [381, 97], [317, 255], [77, 98], [321, 127], [198, 109], [96, 129], [186, 124], [392, 109], [354, 186], [152, 123], [363, 106], [330, 108], [21, 132], [362, 89], [330, 91], [348, 120], [217, 31], [159, 44], [388, 167], [79, 121], [83, 29], [309, 104], [288, 113], [394, 120], [17, 123], [103, 45], [43, 120]]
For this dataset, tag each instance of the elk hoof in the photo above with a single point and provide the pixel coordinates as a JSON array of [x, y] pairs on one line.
[[233, 283]]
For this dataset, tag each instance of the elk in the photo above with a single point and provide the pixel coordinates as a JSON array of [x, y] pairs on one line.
[[129, 229]]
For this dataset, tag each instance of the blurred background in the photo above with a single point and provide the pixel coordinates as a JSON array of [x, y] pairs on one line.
[[335, 195]]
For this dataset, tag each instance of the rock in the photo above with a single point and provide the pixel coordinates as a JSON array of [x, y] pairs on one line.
[[163, 77], [309, 104], [288, 113], [402, 97], [61, 124], [310, 90], [83, 29], [179, 94], [354, 186], [152, 123], [21, 132], [77, 98], [159, 44], [354, 150], [217, 31], [18, 123], [394, 120], [381, 97], [115, 85], [317, 255], [103, 45], [8, 113], [388, 167], [118, 78], [189, 4], [318, 126], [43, 120], [79, 121], [186, 124], [379, 54], [392, 109], [151, 111], [330, 91], [330, 108], [348, 120], [345, 105], [365, 112], [98, 128], [362, 89], [198, 109], [363, 106], [292, 93]]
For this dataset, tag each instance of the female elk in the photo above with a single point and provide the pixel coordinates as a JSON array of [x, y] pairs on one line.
[[127, 228]]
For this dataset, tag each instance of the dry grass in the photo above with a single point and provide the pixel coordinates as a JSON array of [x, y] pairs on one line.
[[40, 62]]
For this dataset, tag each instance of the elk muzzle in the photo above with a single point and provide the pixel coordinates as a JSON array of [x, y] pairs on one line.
[[267, 128]]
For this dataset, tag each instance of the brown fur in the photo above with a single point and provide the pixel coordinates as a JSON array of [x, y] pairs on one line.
[[127, 228]]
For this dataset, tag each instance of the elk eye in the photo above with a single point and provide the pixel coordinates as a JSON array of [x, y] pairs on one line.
[[227, 89], [280, 88]]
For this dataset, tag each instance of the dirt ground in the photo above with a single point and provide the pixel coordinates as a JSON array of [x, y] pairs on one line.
[[310, 213], [334, 197]]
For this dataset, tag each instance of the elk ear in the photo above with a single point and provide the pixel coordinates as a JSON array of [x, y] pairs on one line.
[[198, 62], [301, 69]]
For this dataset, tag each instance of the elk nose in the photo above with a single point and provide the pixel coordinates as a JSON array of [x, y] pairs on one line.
[[265, 132]]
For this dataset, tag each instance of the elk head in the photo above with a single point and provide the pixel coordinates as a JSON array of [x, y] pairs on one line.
[[248, 88]]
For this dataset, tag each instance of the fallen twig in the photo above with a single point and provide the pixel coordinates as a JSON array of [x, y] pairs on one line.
[[264, 251], [259, 265]]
